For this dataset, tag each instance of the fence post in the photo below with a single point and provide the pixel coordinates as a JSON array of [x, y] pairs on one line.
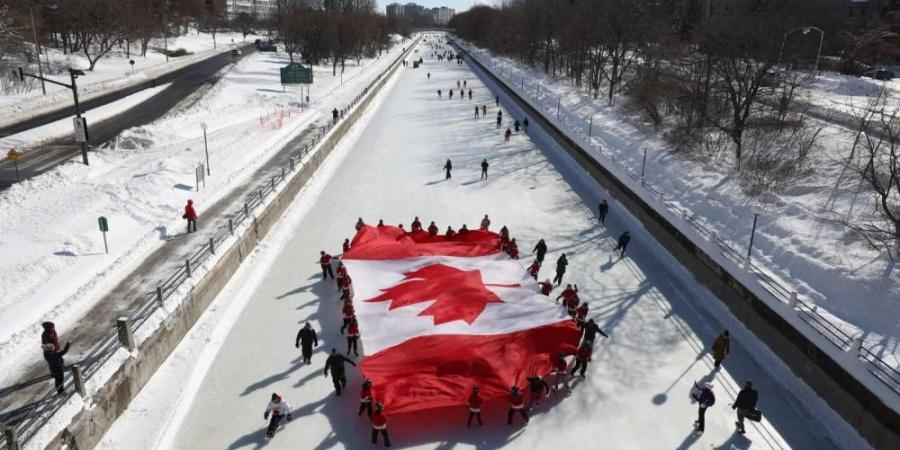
[[272, 183], [793, 301], [12, 438], [78, 380], [187, 266], [231, 226], [591, 128], [855, 346], [126, 334], [159, 296], [212, 246], [558, 100], [291, 162], [282, 173], [260, 196], [643, 163], [246, 210]]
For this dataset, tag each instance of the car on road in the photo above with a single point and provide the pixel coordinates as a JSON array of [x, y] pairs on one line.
[[235, 52], [880, 74], [266, 46]]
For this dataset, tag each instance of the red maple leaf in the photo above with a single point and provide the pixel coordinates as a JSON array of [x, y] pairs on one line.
[[457, 294]]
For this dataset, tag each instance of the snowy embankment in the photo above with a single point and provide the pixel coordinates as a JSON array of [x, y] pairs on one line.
[[113, 71], [56, 268], [798, 241]]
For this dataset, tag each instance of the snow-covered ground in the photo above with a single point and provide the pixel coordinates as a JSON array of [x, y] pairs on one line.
[[799, 239], [54, 266], [111, 71], [212, 391], [847, 93]]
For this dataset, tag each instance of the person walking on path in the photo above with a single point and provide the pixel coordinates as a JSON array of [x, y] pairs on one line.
[[745, 404], [497, 100], [484, 110], [49, 335], [306, 339], [325, 262], [561, 374], [516, 403], [540, 249], [720, 348], [448, 167], [476, 111], [470, 94], [379, 425], [602, 210], [474, 404], [334, 112], [525, 124], [590, 331], [278, 409], [365, 398], [484, 167], [335, 364], [516, 125], [561, 264], [507, 135], [353, 337], [705, 398], [624, 239], [499, 120], [582, 358], [190, 214], [57, 364], [439, 93]]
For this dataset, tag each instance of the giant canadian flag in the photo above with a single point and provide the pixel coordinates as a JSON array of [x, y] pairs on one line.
[[438, 316]]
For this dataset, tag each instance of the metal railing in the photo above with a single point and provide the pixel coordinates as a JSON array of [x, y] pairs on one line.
[[536, 95], [23, 423]]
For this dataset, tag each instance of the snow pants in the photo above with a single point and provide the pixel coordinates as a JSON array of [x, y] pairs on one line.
[[701, 418], [384, 433], [509, 415], [326, 271], [274, 421], [579, 364]]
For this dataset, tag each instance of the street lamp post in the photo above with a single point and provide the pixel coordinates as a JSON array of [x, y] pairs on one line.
[[38, 48], [757, 209], [206, 147]]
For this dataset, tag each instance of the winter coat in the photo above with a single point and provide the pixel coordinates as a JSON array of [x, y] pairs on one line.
[[365, 394], [433, 230], [720, 347], [189, 212], [546, 288], [346, 247], [746, 399], [583, 354], [49, 335], [325, 259], [307, 337], [475, 402], [534, 269], [416, 226], [561, 264], [581, 312], [348, 310], [516, 401], [485, 224], [591, 330], [281, 408], [537, 384], [707, 398], [353, 330], [335, 364], [540, 249], [379, 421]]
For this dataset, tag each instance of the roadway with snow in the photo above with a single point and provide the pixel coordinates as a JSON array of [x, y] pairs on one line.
[[210, 394]]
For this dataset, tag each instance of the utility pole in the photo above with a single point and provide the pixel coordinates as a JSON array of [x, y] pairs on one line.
[[38, 48]]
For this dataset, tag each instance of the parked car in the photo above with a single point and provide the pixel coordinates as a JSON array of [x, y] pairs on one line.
[[235, 52], [267, 47], [880, 74]]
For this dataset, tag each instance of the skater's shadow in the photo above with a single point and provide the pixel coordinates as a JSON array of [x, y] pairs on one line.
[[255, 439], [689, 440], [272, 379], [736, 441], [298, 290], [432, 183], [467, 183], [609, 263]]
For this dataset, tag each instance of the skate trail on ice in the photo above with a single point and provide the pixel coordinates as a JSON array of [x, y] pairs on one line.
[[636, 391]]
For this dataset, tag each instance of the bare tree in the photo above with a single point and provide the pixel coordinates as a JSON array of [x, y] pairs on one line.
[[97, 26]]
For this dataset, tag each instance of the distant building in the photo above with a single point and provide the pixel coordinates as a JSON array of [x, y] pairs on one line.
[[394, 11], [260, 9], [441, 16], [419, 14]]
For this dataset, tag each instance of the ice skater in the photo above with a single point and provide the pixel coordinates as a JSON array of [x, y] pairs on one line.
[[516, 404], [325, 262], [335, 364], [561, 264], [306, 339], [540, 249], [705, 398], [745, 404], [278, 409], [624, 239], [448, 167], [602, 210], [365, 398], [484, 164]]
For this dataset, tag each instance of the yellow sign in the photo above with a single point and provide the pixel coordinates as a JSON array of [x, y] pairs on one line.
[[13, 154]]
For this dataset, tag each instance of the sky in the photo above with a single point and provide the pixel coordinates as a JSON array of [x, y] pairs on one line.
[[458, 5]]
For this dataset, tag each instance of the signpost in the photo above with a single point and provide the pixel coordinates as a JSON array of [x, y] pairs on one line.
[[104, 227], [81, 131], [14, 156], [295, 73]]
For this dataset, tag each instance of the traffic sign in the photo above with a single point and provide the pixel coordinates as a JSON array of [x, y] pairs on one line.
[[104, 224], [13, 154], [81, 130], [295, 73]]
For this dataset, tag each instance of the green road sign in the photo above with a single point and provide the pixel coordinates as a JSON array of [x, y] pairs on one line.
[[104, 224], [295, 73]]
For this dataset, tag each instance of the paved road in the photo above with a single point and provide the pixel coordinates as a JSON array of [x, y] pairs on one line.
[[184, 82]]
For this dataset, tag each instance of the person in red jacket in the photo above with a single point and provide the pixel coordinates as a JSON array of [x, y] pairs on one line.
[[507, 135], [49, 336], [485, 223], [569, 293], [365, 398], [581, 315], [546, 286], [346, 286], [449, 233], [504, 242], [346, 246], [475, 403], [341, 270], [349, 313], [432, 229], [533, 269], [191, 215], [416, 225], [379, 424], [516, 403], [582, 357], [561, 374], [359, 224], [353, 336], [513, 249], [325, 262]]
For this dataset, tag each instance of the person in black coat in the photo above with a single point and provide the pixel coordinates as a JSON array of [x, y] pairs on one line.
[[540, 249], [561, 264], [745, 403], [484, 164], [307, 338], [335, 364], [57, 364], [624, 239], [590, 330], [448, 167], [603, 209]]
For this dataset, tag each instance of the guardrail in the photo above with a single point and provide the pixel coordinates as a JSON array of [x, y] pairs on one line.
[[23, 423], [807, 311]]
